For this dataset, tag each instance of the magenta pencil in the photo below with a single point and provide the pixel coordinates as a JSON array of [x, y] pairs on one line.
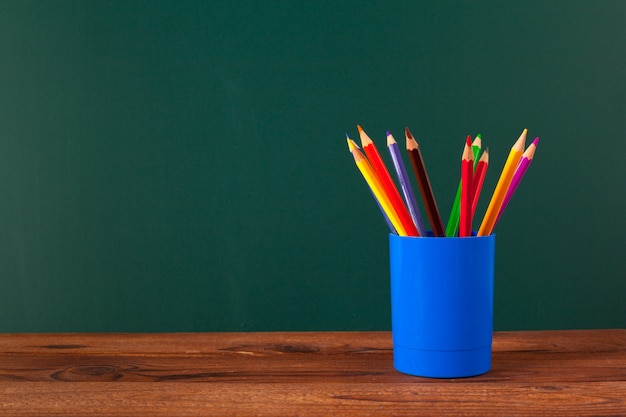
[[405, 184], [522, 167]]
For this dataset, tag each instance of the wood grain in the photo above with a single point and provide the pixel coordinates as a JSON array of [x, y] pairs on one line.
[[556, 373]]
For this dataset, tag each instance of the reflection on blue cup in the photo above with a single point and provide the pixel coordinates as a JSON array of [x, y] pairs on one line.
[[442, 305]]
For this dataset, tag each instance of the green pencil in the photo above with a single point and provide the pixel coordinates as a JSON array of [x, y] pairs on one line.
[[454, 219]]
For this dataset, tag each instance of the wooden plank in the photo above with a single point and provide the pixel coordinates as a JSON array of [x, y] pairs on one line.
[[313, 399], [332, 373]]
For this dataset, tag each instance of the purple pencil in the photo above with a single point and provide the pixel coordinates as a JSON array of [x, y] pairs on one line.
[[405, 184], [522, 166]]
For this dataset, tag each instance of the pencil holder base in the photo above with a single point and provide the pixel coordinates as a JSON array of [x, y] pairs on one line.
[[442, 305], [442, 364]]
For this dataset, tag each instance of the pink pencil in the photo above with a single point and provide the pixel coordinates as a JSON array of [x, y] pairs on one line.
[[522, 167]]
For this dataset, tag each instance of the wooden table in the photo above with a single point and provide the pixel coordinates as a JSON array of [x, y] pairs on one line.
[[544, 373]]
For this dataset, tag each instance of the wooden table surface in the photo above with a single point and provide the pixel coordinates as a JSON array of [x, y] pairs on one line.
[[543, 373]]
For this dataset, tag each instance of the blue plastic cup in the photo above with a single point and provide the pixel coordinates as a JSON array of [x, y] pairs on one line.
[[442, 305]]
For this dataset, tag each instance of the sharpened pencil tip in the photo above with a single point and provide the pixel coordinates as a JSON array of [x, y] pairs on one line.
[[485, 156], [388, 133], [351, 144], [521, 141], [536, 141], [468, 140], [407, 132], [478, 136], [365, 140]]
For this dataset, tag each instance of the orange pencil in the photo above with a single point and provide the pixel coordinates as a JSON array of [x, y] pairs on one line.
[[486, 227], [479, 178], [387, 183], [467, 165]]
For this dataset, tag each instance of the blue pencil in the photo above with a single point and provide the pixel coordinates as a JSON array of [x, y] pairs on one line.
[[407, 189]]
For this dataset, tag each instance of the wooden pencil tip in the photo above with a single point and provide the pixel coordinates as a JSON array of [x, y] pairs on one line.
[[350, 143], [536, 141], [468, 141], [521, 141], [411, 143], [357, 155], [478, 136], [529, 153], [467, 152], [365, 140], [485, 156]]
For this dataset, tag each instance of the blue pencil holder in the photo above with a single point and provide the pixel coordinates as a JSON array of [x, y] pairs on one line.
[[442, 305]]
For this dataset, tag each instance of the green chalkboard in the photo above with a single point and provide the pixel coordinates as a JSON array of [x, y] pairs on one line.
[[182, 165]]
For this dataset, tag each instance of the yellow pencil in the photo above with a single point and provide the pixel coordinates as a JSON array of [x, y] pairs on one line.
[[372, 181], [486, 227]]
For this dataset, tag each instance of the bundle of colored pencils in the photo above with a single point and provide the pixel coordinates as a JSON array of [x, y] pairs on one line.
[[402, 213]]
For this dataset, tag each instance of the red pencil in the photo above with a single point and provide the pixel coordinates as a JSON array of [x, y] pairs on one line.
[[479, 178], [387, 183], [467, 166]]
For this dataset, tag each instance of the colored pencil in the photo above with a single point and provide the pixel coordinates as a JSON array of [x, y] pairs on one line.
[[372, 181], [522, 167], [467, 170], [453, 220], [479, 178], [388, 186], [489, 220], [352, 145], [405, 184], [426, 190]]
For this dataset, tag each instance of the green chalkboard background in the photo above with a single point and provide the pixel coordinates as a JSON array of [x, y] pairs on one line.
[[182, 165]]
